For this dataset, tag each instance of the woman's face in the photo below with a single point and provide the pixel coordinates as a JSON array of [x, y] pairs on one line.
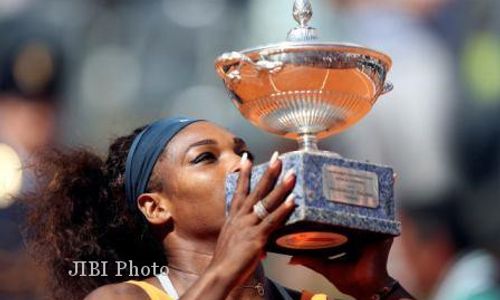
[[193, 173]]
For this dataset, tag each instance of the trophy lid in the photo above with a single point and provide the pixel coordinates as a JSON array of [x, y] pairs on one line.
[[302, 87]]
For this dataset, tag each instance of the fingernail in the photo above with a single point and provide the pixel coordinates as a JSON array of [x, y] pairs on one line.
[[274, 158], [290, 200], [244, 158], [289, 175]]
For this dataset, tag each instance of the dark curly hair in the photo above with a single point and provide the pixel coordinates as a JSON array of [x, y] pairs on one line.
[[78, 212]]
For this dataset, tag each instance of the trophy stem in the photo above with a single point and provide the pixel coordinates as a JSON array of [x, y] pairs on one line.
[[308, 142]]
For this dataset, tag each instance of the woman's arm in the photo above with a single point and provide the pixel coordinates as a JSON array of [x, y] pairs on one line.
[[363, 275]]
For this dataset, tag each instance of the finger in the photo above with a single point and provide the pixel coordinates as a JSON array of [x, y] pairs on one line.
[[321, 261], [279, 193], [243, 184], [385, 244], [278, 217], [377, 250], [265, 184]]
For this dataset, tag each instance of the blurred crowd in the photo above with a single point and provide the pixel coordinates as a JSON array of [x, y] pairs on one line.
[[80, 72]]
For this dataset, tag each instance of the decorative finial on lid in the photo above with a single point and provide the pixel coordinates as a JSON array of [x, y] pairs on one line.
[[302, 13]]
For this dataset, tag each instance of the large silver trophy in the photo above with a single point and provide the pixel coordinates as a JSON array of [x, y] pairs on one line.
[[306, 90]]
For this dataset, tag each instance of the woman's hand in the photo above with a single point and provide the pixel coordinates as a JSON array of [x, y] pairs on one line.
[[242, 239], [360, 274], [240, 246]]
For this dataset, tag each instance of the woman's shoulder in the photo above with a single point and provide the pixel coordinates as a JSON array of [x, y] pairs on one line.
[[121, 290]]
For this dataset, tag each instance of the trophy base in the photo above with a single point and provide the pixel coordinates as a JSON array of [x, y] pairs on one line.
[[306, 238], [340, 203]]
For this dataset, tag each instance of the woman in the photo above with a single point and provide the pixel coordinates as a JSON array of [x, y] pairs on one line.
[[158, 199]]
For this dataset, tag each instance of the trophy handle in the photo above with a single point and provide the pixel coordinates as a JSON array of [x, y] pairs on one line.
[[388, 86], [228, 59]]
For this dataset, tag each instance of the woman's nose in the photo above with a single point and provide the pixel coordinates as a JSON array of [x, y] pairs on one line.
[[234, 164]]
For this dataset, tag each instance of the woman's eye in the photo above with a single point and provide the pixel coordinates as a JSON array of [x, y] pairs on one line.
[[205, 156]]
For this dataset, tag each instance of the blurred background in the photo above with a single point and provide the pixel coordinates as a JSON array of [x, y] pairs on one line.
[[81, 72]]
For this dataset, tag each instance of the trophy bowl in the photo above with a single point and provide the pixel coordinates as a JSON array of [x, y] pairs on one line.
[[306, 90], [296, 89]]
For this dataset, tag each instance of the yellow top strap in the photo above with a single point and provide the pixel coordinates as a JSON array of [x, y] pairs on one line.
[[306, 295], [153, 292], [319, 297]]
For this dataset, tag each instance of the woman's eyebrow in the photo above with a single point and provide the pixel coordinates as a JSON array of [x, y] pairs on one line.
[[201, 143]]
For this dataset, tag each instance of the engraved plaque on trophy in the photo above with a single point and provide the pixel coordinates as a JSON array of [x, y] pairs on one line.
[[306, 90]]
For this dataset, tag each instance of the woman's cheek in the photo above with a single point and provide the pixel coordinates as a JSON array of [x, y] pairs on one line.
[[206, 184]]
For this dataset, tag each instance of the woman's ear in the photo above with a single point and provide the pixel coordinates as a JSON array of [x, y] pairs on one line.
[[155, 208]]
